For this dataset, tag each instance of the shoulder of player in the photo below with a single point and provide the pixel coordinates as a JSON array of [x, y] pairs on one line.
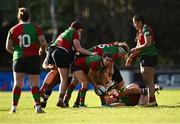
[[15, 26], [94, 59], [146, 28]]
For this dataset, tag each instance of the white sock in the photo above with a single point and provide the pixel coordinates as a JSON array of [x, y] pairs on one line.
[[13, 107], [38, 107]]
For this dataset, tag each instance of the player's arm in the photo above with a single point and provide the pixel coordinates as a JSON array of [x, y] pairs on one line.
[[147, 41], [106, 75], [131, 58], [78, 48], [9, 44], [42, 40], [43, 44], [90, 75], [110, 69]]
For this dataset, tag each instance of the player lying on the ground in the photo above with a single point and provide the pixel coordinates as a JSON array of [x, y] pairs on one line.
[[131, 92], [116, 97]]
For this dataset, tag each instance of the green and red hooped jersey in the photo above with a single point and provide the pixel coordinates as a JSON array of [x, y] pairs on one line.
[[25, 40], [90, 62], [146, 31], [65, 39], [110, 47]]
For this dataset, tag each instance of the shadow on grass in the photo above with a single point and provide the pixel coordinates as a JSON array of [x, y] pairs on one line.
[[8, 109], [169, 106], [3, 110], [159, 106], [99, 107]]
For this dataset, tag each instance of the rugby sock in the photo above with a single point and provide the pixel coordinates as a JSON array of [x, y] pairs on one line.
[[36, 95], [69, 92], [48, 93], [82, 96], [77, 99], [61, 96], [16, 95], [60, 102], [44, 87], [103, 101]]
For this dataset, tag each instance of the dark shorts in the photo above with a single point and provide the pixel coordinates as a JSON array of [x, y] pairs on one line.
[[117, 77], [49, 58], [149, 61], [29, 65], [61, 58], [75, 68]]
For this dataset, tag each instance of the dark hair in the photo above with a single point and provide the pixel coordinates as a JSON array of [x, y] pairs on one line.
[[139, 17], [107, 54], [76, 25], [23, 14]]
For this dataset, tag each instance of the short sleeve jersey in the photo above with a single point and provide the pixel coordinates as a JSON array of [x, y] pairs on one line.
[[90, 62], [65, 39], [111, 48], [25, 40], [146, 31]]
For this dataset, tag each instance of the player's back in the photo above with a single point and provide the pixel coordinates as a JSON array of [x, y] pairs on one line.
[[25, 39]]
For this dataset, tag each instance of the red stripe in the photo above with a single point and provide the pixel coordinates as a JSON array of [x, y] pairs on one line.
[[15, 103], [35, 90], [64, 43], [17, 90], [16, 31], [32, 50], [98, 50]]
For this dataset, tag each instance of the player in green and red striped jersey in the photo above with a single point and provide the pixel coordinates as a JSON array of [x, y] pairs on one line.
[[147, 52], [117, 49], [115, 97], [63, 52], [85, 69], [26, 42]]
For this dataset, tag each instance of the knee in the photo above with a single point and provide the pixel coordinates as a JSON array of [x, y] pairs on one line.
[[18, 84]]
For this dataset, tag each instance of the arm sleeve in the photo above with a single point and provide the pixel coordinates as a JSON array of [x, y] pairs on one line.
[[76, 35]]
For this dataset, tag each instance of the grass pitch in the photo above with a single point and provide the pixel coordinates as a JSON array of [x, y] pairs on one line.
[[168, 111]]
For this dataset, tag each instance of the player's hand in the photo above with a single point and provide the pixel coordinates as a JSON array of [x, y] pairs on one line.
[[41, 51], [94, 53], [128, 62], [110, 99], [134, 51]]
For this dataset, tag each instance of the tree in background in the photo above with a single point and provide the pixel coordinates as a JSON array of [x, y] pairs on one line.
[[104, 21]]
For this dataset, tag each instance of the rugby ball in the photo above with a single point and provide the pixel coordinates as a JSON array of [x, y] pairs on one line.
[[101, 90]]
